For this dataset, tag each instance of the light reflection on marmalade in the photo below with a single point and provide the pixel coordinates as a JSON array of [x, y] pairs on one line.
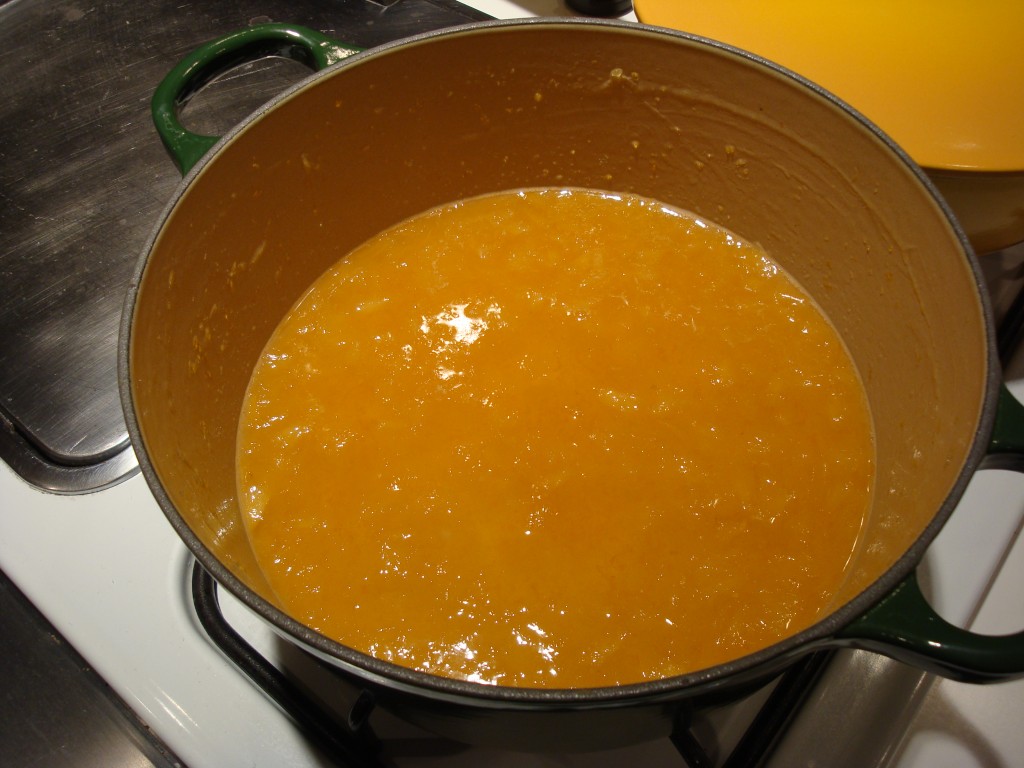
[[555, 438]]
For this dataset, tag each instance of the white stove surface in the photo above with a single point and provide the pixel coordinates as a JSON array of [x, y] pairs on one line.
[[111, 575]]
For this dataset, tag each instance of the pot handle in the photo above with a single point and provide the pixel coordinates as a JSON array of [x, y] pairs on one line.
[[905, 627], [302, 44]]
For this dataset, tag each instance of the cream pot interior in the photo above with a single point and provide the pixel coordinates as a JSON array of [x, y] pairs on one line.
[[397, 130]]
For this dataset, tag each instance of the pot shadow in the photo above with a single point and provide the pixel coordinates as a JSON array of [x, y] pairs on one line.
[[387, 740], [961, 739], [352, 714]]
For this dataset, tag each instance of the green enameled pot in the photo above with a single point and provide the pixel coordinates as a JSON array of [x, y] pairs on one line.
[[376, 136]]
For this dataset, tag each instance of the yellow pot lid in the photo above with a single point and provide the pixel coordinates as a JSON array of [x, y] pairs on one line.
[[944, 78]]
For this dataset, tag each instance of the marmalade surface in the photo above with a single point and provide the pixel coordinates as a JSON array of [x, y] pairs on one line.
[[555, 437]]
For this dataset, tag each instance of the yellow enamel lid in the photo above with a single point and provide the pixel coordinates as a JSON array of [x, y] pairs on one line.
[[944, 78]]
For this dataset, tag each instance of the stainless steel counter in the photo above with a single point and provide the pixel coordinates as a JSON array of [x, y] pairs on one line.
[[83, 178]]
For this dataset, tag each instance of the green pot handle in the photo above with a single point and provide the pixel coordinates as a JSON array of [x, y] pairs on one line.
[[302, 44], [905, 627]]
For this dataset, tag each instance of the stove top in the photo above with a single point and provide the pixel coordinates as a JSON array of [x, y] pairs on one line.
[[83, 178]]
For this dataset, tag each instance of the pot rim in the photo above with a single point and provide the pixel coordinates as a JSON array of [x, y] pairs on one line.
[[392, 676]]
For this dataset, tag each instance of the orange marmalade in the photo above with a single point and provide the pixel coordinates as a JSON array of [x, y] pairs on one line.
[[555, 437]]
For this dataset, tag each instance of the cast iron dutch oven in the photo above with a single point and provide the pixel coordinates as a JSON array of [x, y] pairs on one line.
[[601, 104]]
